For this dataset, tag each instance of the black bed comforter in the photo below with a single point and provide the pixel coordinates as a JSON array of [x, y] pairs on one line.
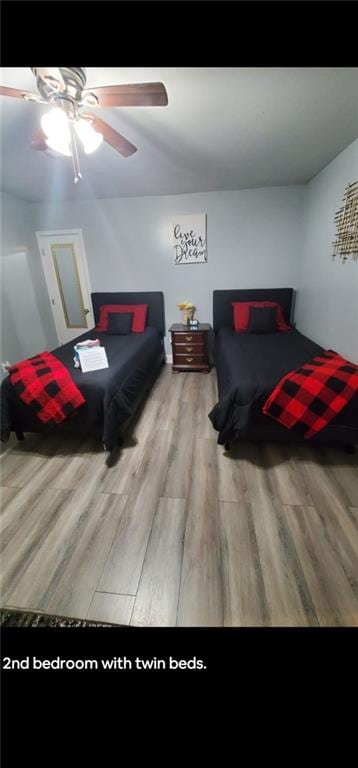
[[249, 366], [111, 394]]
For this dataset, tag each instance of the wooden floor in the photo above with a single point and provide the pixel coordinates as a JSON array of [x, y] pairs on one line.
[[178, 532]]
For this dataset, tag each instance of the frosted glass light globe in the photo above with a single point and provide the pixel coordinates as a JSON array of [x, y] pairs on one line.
[[90, 138]]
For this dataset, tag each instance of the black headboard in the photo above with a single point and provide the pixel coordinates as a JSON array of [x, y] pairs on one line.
[[223, 311], [154, 299]]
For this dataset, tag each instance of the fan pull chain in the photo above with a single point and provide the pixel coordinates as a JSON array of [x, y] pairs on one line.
[[75, 158]]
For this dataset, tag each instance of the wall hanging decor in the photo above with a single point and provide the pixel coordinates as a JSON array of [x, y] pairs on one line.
[[346, 219], [189, 239]]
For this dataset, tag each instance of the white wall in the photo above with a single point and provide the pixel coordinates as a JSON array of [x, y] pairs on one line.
[[327, 300], [26, 318], [254, 240]]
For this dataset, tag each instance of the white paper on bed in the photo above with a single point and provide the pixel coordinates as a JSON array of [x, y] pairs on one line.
[[93, 359]]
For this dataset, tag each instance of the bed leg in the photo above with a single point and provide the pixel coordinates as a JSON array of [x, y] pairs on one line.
[[20, 435], [112, 456], [227, 446]]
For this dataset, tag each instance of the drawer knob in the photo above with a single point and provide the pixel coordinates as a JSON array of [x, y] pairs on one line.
[[189, 359], [189, 349], [188, 338]]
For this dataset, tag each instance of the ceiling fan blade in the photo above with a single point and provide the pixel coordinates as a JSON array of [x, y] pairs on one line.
[[27, 95], [133, 95], [112, 137], [39, 140]]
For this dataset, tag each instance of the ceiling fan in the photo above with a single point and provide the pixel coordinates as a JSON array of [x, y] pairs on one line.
[[64, 89]]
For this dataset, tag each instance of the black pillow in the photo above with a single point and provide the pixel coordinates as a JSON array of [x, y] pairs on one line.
[[120, 323], [262, 320]]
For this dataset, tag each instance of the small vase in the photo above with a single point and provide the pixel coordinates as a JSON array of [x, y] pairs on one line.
[[188, 315]]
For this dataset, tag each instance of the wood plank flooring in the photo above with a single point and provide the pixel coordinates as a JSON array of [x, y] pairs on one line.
[[178, 532]]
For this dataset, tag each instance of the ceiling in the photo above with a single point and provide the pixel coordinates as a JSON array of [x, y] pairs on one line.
[[224, 128]]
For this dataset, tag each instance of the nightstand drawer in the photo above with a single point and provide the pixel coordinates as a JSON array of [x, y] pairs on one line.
[[189, 359], [188, 348], [194, 337]]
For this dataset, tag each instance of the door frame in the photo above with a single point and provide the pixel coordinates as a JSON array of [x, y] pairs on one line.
[[62, 233]]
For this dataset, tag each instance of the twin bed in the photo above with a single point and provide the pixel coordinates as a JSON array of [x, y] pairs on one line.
[[113, 394], [248, 367]]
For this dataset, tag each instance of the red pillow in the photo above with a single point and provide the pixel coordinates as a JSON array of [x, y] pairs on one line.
[[139, 315], [242, 314]]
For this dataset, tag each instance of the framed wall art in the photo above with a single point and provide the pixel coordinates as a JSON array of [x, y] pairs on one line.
[[189, 239]]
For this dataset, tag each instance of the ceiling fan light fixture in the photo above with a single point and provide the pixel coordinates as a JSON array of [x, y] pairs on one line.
[[90, 138], [56, 127], [64, 88], [60, 146], [55, 123]]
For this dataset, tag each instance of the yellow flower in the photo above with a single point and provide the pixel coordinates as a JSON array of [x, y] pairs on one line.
[[186, 305]]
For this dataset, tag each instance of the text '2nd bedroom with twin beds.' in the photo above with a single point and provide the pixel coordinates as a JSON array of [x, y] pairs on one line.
[[179, 347]]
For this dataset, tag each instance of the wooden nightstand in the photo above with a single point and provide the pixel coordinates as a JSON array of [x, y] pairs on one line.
[[190, 348]]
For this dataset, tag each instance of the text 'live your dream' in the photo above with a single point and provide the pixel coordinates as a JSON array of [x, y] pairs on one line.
[[189, 247]]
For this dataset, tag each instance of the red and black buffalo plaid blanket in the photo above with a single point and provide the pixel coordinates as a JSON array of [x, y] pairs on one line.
[[45, 385], [311, 396]]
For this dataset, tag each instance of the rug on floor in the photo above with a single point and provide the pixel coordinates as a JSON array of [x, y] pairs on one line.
[[17, 618]]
